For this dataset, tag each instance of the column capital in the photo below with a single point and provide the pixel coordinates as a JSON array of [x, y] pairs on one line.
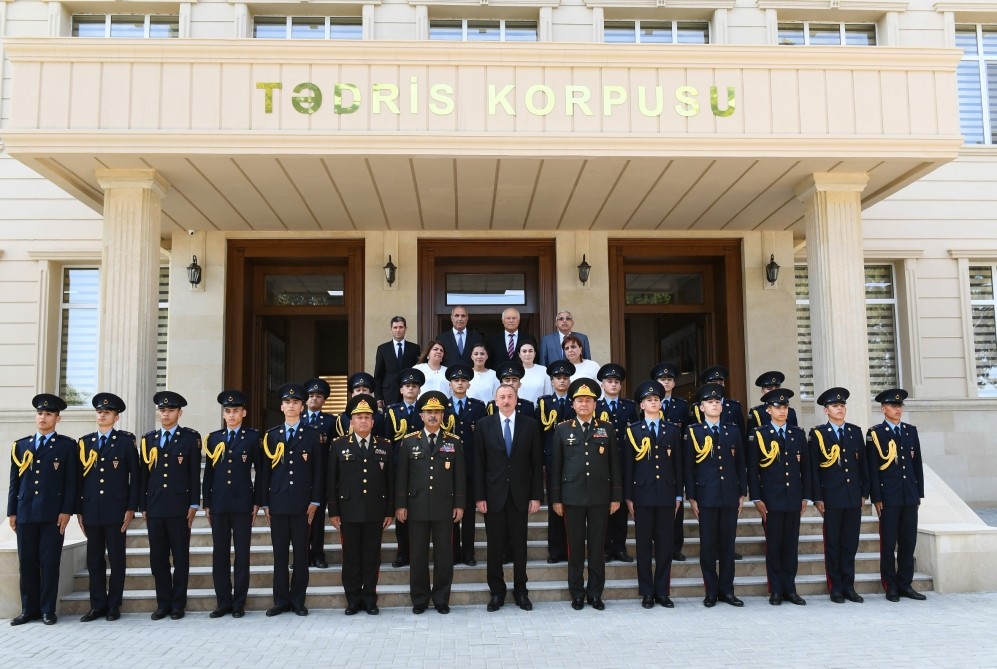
[[132, 178], [823, 182]]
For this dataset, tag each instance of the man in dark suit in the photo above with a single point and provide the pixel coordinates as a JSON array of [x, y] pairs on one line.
[[509, 487], [169, 499], [896, 486], [459, 341], [586, 489], [674, 410], [40, 501], [109, 489], [361, 495], [552, 410], [840, 486], [325, 423], [231, 502], [550, 344], [290, 495], [504, 346], [391, 358], [429, 495]]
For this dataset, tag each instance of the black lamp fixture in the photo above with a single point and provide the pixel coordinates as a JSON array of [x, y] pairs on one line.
[[584, 269], [194, 273], [772, 270], [390, 272]]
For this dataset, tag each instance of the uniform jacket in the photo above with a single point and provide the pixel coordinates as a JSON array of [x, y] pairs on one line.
[[171, 477], [758, 417], [397, 424], [896, 475], [500, 475], [109, 478], [228, 471], [361, 483], [549, 415], [675, 410], [719, 478], [731, 414], [292, 472], [626, 413], [47, 486], [779, 473], [839, 476], [585, 472], [463, 426], [430, 498], [652, 468]]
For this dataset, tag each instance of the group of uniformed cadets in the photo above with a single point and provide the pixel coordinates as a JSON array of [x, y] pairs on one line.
[[604, 457]]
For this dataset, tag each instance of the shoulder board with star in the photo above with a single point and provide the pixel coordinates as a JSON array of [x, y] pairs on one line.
[[380, 441], [451, 435], [414, 433], [565, 421]]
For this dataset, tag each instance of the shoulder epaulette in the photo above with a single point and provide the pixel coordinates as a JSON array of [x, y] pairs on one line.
[[451, 434], [412, 434], [566, 420]]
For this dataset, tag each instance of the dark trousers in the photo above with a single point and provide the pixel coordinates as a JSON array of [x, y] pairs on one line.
[[585, 527], [782, 550], [463, 535], [717, 534], [39, 552], [361, 561], [100, 538], [557, 543], [506, 526], [678, 537], [316, 536], [841, 543], [616, 531], [897, 530], [441, 532], [228, 529], [289, 532], [401, 534], [654, 526], [169, 537]]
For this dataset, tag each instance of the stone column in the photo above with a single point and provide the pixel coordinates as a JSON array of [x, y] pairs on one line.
[[129, 290], [833, 213]]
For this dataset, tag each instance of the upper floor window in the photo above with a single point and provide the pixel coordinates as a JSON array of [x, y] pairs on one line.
[[308, 27], [982, 297], [656, 32], [812, 33], [135, 26], [482, 30], [977, 82]]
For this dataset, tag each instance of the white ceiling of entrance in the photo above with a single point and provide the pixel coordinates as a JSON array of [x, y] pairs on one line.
[[337, 193]]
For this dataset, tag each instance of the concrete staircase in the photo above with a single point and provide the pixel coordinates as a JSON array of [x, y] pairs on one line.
[[547, 582]]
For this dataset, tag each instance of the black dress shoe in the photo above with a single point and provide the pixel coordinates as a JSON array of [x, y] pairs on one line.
[[321, 564], [471, 562], [372, 610], [277, 610], [775, 599], [665, 601], [837, 598], [218, 613], [738, 556], [400, 561], [853, 596], [554, 559], [113, 614], [159, 614], [238, 613], [494, 604], [417, 610], [911, 593], [301, 611], [607, 557], [732, 600], [92, 615], [710, 601], [523, 601], [647, 601], [25, 618], [443, 609], [578, 604], [794, 598], [623, 556], [892, 597], [678, 557], [598, 604], [50, 618], [353, 609], [177, 614]]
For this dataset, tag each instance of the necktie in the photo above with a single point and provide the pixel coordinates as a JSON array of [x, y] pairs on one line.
[[231, 437], [290, 435], [837, 433], [716, 432], [166, 439], [399, 354], [432, 441], [654, 431], [612, 407], [782, 434], [363, 445], [896, 430], [512, 346], [460, 407], [460, 342], [103, 442], [507, 433], [410, 411], [312, 418], [585, 431], [560, 406], [38, 443]]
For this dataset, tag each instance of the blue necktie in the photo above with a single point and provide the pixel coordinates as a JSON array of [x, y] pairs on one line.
[[39, 443], [166, 439], [103, 442], [507, 433], [612, 407], [654, 431], [290, 435], [460, 407], [231, 437], [460, 342]]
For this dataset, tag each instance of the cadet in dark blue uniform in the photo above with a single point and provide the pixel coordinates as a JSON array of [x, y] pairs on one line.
[[652, 488], [758, 415], [551, 410], [587, 482], [715, 485], [460, 417], [171, 493], [731, 411], [674, 410], [109, 490], [360, 383], [231, 502], [896, 486], [325, 424], [401, 419], [40, 501], [779, 483], [360, 487], [510, 373], [290, 494], [621, 412], [840, 486], [429, 494]]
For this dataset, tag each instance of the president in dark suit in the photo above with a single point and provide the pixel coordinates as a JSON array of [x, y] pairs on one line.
[[459, 341], [392, 357], [504, 346], [550, 345], [509, 486]]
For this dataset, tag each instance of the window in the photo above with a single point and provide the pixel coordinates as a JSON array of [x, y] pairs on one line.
[[476, 289], [881, 328], [78, 331], [656, 32], [126, 25], [308, 27], [981, 295], [811, 33], [977, 82], [482, 30]]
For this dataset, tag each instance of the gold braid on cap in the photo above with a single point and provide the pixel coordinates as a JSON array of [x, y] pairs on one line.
[[432, 404], [87, 461], [830, 458], [23, 463]]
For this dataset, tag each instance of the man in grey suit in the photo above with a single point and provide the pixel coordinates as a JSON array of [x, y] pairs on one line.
[[459, 341], [550, 345]]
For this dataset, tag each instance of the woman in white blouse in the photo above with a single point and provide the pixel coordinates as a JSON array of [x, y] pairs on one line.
[[485, 383], [572, 348], [535, 381], [432, 367]]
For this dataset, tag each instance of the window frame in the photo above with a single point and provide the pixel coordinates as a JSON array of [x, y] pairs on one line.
[[675, 24], [980, 58], [108, 23], [842, 32], [61, 382], [328, 22], [463, 28]]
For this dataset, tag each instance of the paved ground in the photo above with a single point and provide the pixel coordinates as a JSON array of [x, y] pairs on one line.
[[945, 631]]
